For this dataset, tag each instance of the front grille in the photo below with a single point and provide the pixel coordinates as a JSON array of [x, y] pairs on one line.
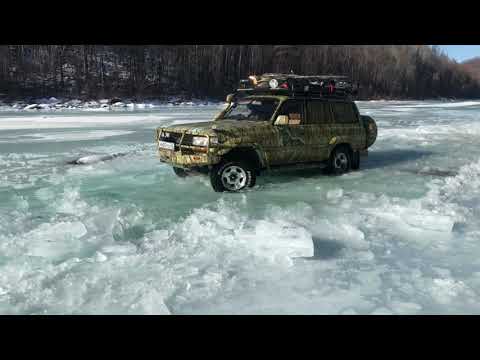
[[188, 139], [177, 137], [187, 151]]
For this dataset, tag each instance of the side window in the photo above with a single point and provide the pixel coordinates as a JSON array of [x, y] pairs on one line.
[[294, 110], [344, 113], [319, 112]]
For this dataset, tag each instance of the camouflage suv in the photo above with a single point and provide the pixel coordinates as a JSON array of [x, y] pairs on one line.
[[267, 127]]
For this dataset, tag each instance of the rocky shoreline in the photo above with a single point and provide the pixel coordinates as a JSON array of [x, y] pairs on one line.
[[52, 104]]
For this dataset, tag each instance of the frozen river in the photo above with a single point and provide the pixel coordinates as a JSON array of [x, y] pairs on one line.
[[125, 236]]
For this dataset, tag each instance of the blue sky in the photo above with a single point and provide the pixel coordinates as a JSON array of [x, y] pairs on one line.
[[461, 52]]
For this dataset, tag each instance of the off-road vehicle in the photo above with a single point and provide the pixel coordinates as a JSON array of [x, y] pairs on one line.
[[272, 121]]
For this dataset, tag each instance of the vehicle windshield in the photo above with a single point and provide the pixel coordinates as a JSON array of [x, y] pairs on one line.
[[252, 110]]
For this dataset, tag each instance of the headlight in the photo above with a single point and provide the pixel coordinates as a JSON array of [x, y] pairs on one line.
[[200, 141], [213, 140]]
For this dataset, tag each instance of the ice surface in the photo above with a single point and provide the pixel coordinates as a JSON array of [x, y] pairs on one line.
[[78, 121], [73, 135], [125, 236]]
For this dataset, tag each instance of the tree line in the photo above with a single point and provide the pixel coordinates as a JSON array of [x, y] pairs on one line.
[[200, 71]]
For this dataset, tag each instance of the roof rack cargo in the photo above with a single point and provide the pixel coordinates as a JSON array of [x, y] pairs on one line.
[[331, 86]]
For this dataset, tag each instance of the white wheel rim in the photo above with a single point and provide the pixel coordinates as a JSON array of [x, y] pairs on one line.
[[234, 178], [341, 161]]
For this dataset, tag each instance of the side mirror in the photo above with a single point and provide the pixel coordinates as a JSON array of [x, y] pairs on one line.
[[230, 98], [281, 120]]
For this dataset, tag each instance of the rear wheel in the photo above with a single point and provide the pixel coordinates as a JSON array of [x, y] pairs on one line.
[[232, 176], [370, 129], [340, 161]]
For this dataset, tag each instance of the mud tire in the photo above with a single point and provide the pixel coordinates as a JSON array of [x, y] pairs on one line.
[[232, 176], [180, 172], [340, 161]]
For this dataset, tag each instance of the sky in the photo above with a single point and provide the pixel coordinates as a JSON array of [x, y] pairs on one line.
[[461, 52]]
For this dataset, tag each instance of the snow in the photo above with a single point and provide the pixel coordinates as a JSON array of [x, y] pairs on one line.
[[445, 105], [118, 104], [123, 235], [70, 121], [73, 135], [53, 104], [30, 107]]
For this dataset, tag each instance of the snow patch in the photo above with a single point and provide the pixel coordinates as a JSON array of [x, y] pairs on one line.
[[74, 135]]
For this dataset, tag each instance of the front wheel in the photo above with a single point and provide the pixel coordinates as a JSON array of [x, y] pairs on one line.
[[232, 176], [340, 161], [180, 172]]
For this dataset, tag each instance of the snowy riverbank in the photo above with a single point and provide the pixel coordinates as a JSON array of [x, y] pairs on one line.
[[54, 104], [112, 104]]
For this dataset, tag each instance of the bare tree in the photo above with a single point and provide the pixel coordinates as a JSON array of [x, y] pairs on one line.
[[400, 71]]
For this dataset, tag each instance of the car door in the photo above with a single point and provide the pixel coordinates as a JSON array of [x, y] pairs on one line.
[[320, 129], [292, 145], [347, 127]]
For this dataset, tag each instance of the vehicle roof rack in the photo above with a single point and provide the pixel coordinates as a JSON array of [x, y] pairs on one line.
[[324, 86]]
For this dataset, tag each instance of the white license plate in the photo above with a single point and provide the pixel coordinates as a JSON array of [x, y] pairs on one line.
[[166, 145]]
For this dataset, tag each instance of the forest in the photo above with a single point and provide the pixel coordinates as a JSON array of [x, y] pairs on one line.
[[212, 71], [473, 67]]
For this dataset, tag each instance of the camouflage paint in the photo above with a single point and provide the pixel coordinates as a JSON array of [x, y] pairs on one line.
[[275, 145]]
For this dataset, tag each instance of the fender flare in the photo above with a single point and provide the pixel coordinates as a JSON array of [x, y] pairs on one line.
[[338, 141], [254, 149]]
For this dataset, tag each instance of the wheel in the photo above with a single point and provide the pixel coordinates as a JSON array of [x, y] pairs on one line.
[[232, 176], [340, 161], [356, 160], [371, 130], [180, 172]]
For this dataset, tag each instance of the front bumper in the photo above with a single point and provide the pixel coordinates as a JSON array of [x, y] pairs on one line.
[[186, 155], [190, 160]]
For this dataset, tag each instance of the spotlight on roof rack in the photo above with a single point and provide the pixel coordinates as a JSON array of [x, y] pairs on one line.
[[273, 83]]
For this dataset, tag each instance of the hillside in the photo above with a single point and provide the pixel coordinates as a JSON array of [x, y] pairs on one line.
[[472, 66], [97, 71]]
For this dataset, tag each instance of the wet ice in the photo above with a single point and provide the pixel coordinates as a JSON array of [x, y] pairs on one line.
[[401, 236]]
